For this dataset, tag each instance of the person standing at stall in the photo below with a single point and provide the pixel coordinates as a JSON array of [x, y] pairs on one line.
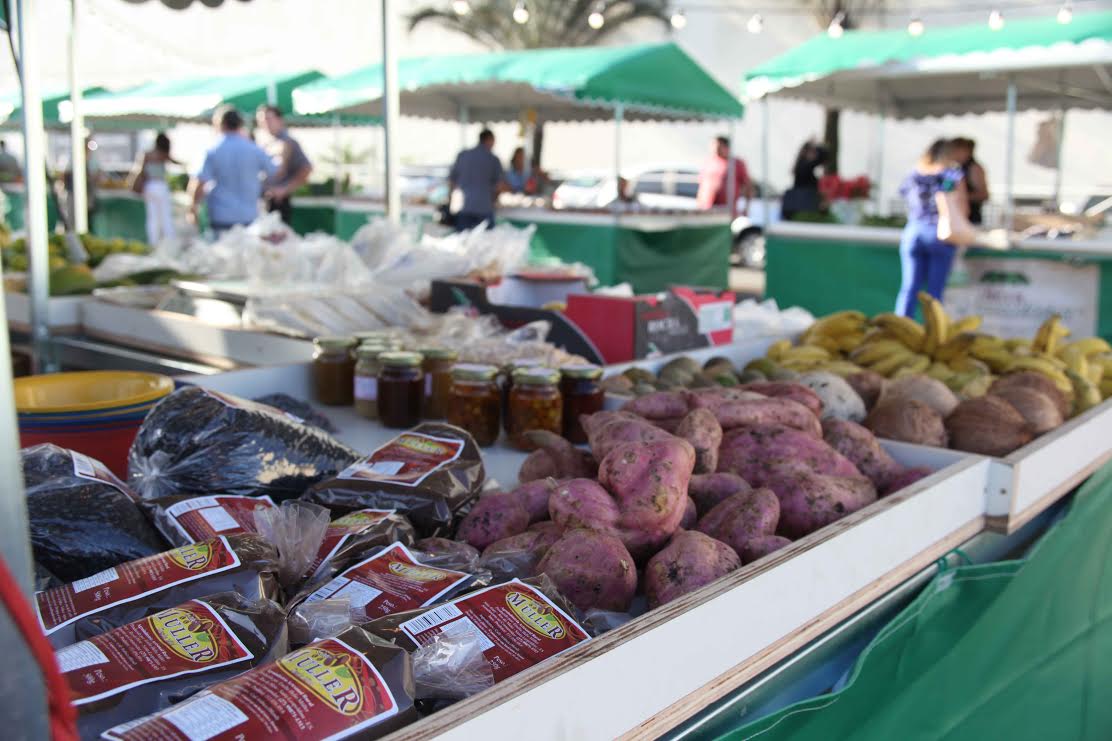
[[230, 180], [150, 182], [803, 196], [924, 258], [713, 190], [293, 166], [976, 182], [478, 174]]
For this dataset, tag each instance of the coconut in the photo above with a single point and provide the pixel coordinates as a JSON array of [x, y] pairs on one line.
[[987, 425], [1037, 408], [1038, 382], [930, 391], [907, 420], [869, 385]]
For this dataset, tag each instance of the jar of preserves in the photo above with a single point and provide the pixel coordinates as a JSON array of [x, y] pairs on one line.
[[535, 404], [579, 385], [374, 336], [367, 368], [437, 366], [333, 370], [506, 380], [401, 389], [475, 402]]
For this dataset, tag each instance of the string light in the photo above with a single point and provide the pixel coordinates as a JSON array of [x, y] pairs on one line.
[[995, 20], [755, 24], [521, 13], [596, 19], [1065, 13], [836, 29], [916, 27], [679, 20], [461, 7]]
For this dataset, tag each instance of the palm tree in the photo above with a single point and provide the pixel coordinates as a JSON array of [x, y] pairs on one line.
[[551, 23]]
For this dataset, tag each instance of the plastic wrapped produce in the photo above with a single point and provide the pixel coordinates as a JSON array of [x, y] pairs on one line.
[[197, 440], [347, 538], [184, 519], [82, 519]]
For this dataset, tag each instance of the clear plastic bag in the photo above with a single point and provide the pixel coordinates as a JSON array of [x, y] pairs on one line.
[[451, 667], [315, 621], [296, 529]]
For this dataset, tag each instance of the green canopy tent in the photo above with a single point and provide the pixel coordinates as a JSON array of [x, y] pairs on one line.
[[55, 108]]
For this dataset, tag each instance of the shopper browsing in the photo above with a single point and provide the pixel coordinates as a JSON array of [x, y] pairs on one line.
[[803, 196], [713, 190], [151, 184], [478, 175], [230, 180], [976, 182], [293, 166]]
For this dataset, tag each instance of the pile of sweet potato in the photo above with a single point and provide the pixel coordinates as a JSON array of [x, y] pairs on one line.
[[678, 489]]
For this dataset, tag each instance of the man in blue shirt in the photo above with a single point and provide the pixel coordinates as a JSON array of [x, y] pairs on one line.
[[478, 173], [230, 180]]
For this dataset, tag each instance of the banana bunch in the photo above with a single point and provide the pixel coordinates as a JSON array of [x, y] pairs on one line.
[[823, 345]]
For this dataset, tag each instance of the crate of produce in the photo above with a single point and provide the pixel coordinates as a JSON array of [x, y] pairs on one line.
[[63, 313]]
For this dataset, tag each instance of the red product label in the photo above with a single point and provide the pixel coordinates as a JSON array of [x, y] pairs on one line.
[[186, 639], [392, 581], [326, 690], [203, 518], [406, 460], [341, 530], [92, 469], [517, 626], [130, 581]]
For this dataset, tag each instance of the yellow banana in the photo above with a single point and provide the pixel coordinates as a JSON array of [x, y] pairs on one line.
[[1016, 343], [776, 349], [987, 342], [939, 371], [800, 365], [966, 364], [1086, 395], [1106, 387], [966, 324], [906, 330], [1095, 373], [841, 368], [805, 352], [1049, 334], [959, 344], [871, 352], [1088, 346], [850, 341], [958, 381], [977, 387], [888, 364], [1104, 362], [936, 321], [826, 342], [838, 323], [917, 365], [1074, 358], [999, 360], [1040, 365]]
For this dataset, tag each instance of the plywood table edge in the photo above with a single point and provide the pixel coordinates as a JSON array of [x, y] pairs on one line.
[[173, 351], [1018, 519]]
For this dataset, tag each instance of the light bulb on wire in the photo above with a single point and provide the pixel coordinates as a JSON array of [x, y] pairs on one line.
[[461, 7], [596, 19], [521, 13], [678, 20], [995, 20], [836, 29], [916, 27], [1065, 13], [755, 24]]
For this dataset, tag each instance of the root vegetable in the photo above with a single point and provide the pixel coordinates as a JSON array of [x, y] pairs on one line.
[[591, 569], [987, 425], [862, 448], [534, 497], [742, 518], [731, 414], [583, 503], [690, 561], [754, 453], [1038, 409], [568, 458], [701, 429], [659, 405], [690, 515], [517, 556], [789, 390], [868, 385], [493, 517], [809, 500], [758, 548], [607, 430], [709, 489], [538, 465], [907, 420], [905, 478]]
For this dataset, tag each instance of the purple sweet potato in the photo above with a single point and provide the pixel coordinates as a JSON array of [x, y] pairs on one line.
[[668, 424], [731, 414], [517, 556], [690, 515], [607, 430], [568, 458], [861, 446], [787, 390], [709, 489], [700, 428], [691, 560], [758, 548], [904, 478], [583, 503], [493, 517], [714, 394], [742, 518], [538, 465], [754, 453], [658, 405], [591, 569], [534, 497], [809, 500]]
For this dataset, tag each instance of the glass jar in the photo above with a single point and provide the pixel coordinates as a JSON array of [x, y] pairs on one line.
[[437, 366], [506, 380], [333, 370], [579, 385], [374, 337], [535, 404], [401, 389], [367, 368], [475, 402]]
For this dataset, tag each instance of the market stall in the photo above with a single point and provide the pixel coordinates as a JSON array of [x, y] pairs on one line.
[[649, 82], [1028, 64]]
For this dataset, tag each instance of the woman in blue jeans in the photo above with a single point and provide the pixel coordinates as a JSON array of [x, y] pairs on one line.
[[926, 260]]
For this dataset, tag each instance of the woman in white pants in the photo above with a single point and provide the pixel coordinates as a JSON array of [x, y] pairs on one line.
[[156, 193]]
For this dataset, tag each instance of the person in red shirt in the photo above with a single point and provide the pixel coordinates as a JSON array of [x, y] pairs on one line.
[[712, 178]]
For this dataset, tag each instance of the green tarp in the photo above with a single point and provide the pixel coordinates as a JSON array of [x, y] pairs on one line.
[[651, 80], [1015, 650], [11, 108]]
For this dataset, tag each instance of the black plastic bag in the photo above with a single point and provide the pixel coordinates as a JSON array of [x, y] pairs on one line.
[[82, 519], [197, 442]]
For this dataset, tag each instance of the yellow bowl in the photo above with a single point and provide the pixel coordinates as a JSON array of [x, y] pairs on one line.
[[86, 391]]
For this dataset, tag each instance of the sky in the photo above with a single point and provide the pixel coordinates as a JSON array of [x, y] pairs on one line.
[[122, 43]]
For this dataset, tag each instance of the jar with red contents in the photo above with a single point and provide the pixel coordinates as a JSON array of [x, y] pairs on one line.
[[582, 394]]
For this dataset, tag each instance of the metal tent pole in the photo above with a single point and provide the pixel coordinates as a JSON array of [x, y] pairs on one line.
[[77, 134], [731, 173], [338, 176], [1009, 162], [882, 124], [619, 114], [1058, 158], [464, 122], [765, 173], [390, 102]]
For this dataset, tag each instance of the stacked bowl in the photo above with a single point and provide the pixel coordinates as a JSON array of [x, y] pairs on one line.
[[93, 412]]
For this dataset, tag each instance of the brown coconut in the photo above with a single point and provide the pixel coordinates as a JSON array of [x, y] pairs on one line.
[[987, 425], [1038, 409], [907, 420], [1038, 382], [919, 387], [869, 385]]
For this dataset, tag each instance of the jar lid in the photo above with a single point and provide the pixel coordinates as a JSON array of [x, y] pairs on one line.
[[401, 359], [334, 343], [473, 372], [585, 372], [374, 334], [514, 365], [370, 351], [538, 376], [438, 353]]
